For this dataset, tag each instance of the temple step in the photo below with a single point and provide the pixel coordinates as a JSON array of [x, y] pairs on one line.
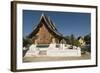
[[42, 53]]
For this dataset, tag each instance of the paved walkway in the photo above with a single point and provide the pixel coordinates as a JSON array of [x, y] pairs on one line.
[[48, 58]]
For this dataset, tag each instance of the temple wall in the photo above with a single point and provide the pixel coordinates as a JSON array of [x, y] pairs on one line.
[[45, 37]]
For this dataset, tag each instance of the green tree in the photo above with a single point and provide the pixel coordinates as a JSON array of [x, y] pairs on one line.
[[68, 40], [87, 39], [77, 43], [72, 38], [26, 42]]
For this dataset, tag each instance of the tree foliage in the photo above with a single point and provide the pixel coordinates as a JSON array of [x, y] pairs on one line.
[[72, 40], [68, 41], [26, 42], [76, 43], [87, 39]]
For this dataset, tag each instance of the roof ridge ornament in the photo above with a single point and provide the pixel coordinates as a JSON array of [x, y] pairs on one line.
[[42, 14]]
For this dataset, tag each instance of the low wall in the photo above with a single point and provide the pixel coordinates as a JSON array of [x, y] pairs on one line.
[[32, 53], [53, 51], [68, 52]]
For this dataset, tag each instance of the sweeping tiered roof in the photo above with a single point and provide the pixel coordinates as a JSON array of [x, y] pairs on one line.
[[48, 23]]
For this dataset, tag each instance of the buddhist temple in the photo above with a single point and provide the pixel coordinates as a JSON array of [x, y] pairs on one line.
[[45, 32]]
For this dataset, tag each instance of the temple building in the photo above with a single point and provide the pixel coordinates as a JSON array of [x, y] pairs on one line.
[[45, 32], [47, 41]]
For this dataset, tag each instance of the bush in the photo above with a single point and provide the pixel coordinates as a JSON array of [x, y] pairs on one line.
[[85, 49]]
